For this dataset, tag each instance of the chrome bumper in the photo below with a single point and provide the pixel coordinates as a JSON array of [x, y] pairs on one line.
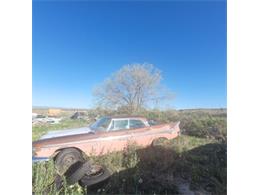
[[39, 159]]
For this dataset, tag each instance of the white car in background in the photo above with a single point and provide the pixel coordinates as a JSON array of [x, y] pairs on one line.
[[41, 119]]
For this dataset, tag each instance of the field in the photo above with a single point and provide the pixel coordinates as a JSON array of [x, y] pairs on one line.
[[194, 162]]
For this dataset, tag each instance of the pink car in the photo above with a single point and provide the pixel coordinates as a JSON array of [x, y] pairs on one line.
[[106, 135]]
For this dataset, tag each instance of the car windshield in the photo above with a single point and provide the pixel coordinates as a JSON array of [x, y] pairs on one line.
[[101, 124]]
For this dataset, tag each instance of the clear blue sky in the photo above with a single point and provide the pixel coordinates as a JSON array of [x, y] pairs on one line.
[[76, 45]]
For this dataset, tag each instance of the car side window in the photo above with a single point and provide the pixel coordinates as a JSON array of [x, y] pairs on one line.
[[135, 123], [119, 125]]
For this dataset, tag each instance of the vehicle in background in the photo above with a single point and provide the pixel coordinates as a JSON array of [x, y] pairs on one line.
[[38, 119]]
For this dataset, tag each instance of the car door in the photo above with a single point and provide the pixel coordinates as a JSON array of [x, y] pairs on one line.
[[138, 130], [117, 134]]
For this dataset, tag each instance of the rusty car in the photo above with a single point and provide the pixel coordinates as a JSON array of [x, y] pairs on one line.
[[106, 135]]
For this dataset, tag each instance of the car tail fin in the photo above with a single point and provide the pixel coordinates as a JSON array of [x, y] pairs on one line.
[[175, 127]]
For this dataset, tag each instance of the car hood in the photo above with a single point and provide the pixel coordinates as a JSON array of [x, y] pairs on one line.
[[66, 132]]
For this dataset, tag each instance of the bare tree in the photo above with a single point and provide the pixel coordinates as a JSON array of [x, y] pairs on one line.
[[133, 87]]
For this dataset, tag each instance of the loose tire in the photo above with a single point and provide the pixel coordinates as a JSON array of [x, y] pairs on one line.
[[67, 157], [89, 180], [77, 171]]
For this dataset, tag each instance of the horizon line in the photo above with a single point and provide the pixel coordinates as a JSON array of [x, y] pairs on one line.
[[82, 108]]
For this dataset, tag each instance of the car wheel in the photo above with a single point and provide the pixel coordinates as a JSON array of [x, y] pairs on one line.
[[99, 174], [67, 157], [159, 141]]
